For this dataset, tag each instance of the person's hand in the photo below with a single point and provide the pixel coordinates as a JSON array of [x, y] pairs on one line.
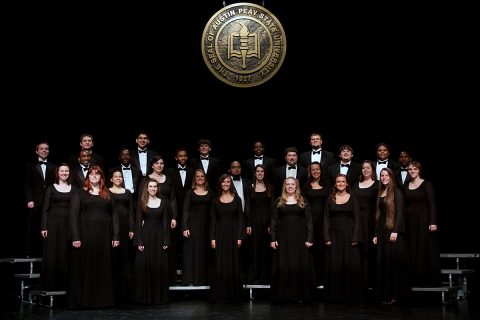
[[44, 233], [77, 244], [173, 223], [432, 227], [308, 244], [213, 243], [186, 233], [274, 245], [30, 205], [115, 243], [165, 247], [249, 230], [375, 240], [327, 243], [141, 248], [354, 244], [239, 243], [393, 237], [130, 235]]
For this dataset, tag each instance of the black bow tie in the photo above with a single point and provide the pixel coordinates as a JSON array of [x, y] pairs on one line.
[[316, 152], [403, 169], [259, 157], [85, 168], [382, 162], [204, 158], [293, 167], [125, 168], [236, 178], [42, 162], [181, 169], [142, 151], [345, 165]]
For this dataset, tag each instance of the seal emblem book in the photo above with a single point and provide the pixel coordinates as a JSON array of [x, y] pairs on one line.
[[244, 44]]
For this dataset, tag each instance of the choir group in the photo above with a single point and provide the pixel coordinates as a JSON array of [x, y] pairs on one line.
[[120, 235]]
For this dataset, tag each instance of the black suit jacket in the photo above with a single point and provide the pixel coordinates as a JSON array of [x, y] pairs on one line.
[[398, 179], [247, 191], [136, 159], [279, 175], [248, 168], [180, 190], [327, 159], [392, 164], [136, 177], [35, 184], [214, 170], [77, 176], [353, 173]]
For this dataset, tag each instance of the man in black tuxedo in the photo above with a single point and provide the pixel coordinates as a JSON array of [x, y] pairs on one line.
[[182, 177], [80, 170], [39, 174], [258, 158], [383, 152], [324, 157], [243, 187], [142, 156], [346, 166], [402, 177], [86, 143], [131, 174], [290, 169], [210, 165]]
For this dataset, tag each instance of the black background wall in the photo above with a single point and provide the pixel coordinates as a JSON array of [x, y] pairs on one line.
[[358, 75]]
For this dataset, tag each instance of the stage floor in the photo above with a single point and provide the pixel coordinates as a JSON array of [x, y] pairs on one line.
[[197, 308]]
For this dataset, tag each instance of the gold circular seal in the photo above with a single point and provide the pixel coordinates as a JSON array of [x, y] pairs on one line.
[[244, 44]]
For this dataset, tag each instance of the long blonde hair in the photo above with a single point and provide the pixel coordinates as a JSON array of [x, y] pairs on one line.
[[298, 195]]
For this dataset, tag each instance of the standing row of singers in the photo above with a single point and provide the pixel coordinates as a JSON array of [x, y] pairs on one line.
[[227, 248]]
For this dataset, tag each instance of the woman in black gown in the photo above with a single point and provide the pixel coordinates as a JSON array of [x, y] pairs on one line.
[[316, 192], [166, 187], [94, 231], [152, 238], [195, 226], [344, 275], [56, 208], [122, 202], [421, 225], [366, 193], [392, 258], [291, 226], [261, 205], [227, 230]]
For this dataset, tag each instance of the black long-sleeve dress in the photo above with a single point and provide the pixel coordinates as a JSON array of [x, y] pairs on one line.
[[55, 213], [367, 206], [423, 248], [196, 218], [317, 199], [344, 272], [150, 271], [167, 189], [260, 253], [293, 276], [226, 227], [393, 273], [123, 255], [95, 224]]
